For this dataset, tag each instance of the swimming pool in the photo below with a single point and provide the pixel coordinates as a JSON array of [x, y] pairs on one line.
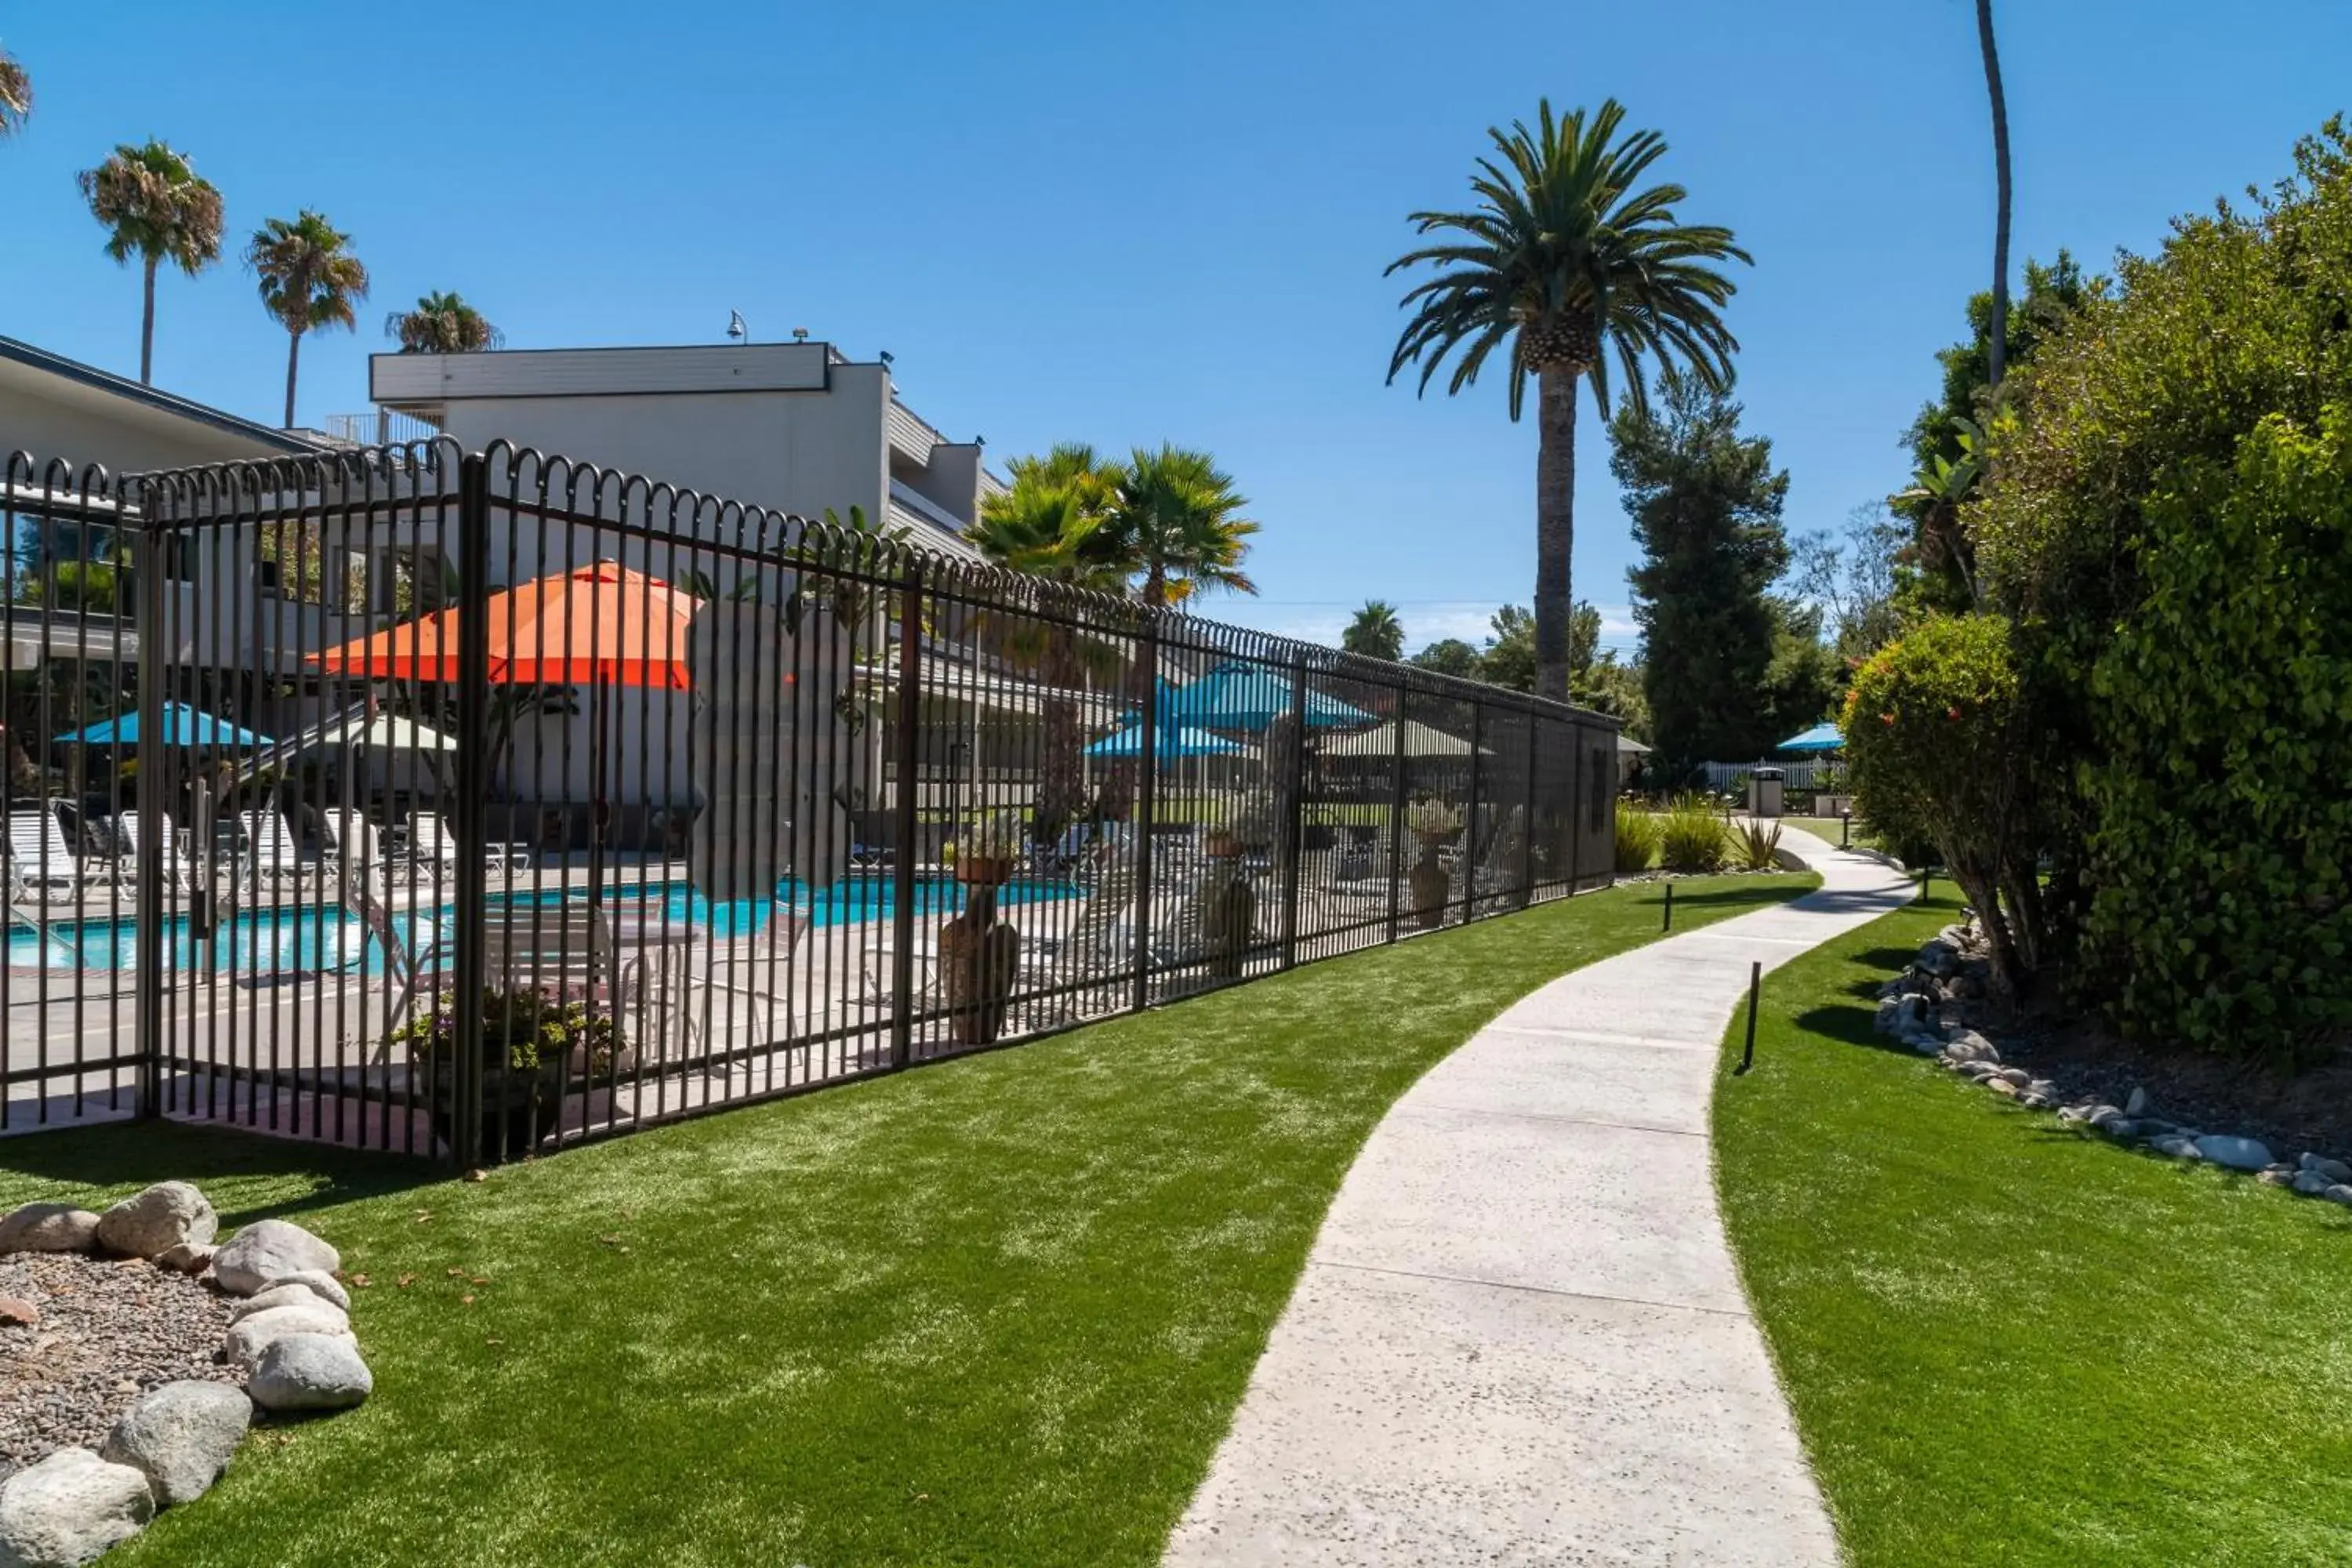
[[276, 941]]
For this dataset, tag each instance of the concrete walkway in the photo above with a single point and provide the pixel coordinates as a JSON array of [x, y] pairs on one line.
[[1519, 1338]]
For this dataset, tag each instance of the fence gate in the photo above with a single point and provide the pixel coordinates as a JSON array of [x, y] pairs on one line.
[[468, 804]]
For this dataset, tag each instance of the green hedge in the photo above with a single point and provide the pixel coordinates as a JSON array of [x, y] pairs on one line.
[[2225, 790]]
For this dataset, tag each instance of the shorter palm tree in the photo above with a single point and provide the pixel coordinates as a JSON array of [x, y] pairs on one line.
[[442, 324], [1375, 632], [309, 279], [1050, 524], [157, 207], [15, 94], [1177, 518]]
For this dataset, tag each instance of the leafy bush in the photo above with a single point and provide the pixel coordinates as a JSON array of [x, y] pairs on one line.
[[1691, 837], [1637, 838], [2222, 912], [1757, 847], [1935, 738], [523, 1031]]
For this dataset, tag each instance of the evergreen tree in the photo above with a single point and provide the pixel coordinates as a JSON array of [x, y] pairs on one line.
[[1706, 503]]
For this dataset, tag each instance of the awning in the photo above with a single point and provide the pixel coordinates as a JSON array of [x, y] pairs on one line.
[[1171, 742], [1237, 696]]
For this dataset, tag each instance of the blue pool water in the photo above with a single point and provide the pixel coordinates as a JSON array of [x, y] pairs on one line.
[[275, 941]]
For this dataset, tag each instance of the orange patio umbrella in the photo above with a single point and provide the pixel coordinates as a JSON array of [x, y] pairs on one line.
[[597, 625]]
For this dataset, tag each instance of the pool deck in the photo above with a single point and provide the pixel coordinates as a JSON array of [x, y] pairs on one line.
[[715, 1018]]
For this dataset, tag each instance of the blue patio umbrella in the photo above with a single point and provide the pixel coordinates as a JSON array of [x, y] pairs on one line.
[[182, 726], [1174, 740], [1236, 696], [1820, 738]]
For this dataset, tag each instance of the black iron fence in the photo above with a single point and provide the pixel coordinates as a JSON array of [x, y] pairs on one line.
[[467, 804]]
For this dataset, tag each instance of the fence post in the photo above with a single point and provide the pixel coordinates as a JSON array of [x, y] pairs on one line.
[[1294, 816], [1146, 803], [473, 785], [1468, 863], [1577, 734], [1396, 818], [902, 860], [152, 782], [1527, 814]]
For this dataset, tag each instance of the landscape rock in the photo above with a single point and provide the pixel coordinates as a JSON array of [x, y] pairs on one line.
[[150, 1223], [2001, 1086], [2341, 1193], [2017, 1076], [288, 1293], [310, 1371], [2177, 1146], [2136, 1102], [187, 1258], [269, 1250], [324, 1286], [1968, 1046], [16, 1311], [68, 1509], [2041, 1086], [2334, 1170], [2236, 1154], [2310, 1184], [1939, 957], [250, 1337], [1885, 1021], [47, 1227], [181, 1437]]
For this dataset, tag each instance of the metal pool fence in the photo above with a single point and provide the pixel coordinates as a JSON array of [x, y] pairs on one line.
[[467, 804]]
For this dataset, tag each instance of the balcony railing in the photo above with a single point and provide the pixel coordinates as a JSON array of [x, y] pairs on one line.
[[380, 427]]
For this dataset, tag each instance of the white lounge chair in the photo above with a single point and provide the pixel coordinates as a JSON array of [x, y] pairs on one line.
[[176, 875], [270, 850], [431, 843], [40, 861]]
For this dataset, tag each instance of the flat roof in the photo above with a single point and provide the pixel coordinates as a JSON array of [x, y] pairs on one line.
[[15, 351]]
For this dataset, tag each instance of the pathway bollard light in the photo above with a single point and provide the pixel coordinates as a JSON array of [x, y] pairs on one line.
[[1755, 984], [1669, 924]]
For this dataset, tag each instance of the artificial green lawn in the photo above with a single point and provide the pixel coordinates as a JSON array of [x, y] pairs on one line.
[[995, 1312], [2007, 1341]]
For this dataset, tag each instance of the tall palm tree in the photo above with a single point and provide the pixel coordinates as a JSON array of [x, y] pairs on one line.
[[1376, 633], [156, 206], [1177, 518], [1051, 523], [15, 94], [1999, 348], [309, 279], [1564, 257], [442, 324]]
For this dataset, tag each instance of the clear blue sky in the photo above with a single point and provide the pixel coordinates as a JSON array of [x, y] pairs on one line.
[[1127, 224]]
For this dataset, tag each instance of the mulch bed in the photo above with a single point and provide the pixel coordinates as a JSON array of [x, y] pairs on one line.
[[109, 1331], [2312, 1110]]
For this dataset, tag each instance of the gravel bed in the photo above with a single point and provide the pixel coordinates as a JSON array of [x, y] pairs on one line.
[[109, 1331]]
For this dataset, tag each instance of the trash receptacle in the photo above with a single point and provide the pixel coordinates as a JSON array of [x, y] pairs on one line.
[[1764, 792]]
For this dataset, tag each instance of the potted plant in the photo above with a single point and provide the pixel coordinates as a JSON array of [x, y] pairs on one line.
[[986, 850], [530, 1041], [1433, 825], [978, 953]]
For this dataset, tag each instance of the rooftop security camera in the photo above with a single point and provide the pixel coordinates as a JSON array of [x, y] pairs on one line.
[[735, 327]]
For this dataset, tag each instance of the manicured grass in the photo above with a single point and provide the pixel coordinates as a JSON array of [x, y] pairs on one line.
[[997, 1312], [1828, 829], [2009, 1343]]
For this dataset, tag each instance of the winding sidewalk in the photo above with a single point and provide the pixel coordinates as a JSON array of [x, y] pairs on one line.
[[1519, 1338]]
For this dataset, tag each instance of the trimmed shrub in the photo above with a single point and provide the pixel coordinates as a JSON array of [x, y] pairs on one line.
[[1935, 736], [1637, 838], [2221, 915], [1691, 837]]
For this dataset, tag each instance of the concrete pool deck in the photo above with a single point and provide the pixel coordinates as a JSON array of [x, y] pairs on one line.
[[1519, 1338]]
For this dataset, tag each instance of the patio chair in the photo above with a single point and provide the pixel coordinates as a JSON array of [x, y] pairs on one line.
[[1498, 876], [41, 863]]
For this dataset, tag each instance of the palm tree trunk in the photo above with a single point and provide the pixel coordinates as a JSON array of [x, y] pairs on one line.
[[293, 358], [147, 326], [1999, 348], [1155, 584], [1555, 526]]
